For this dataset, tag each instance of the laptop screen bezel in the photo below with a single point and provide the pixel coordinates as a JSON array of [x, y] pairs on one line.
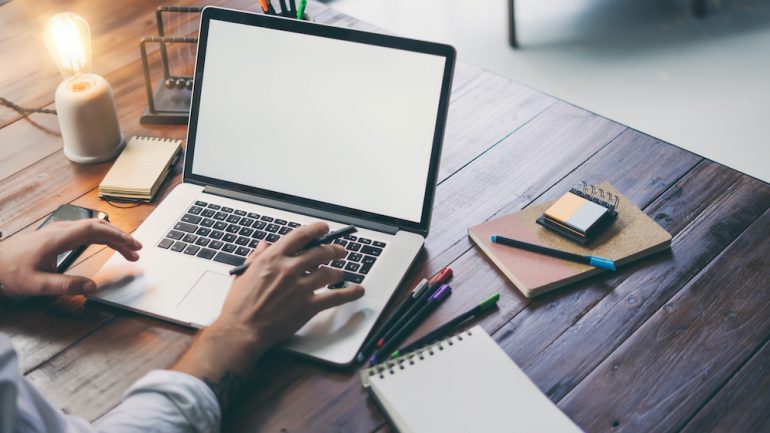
[[309, 28]]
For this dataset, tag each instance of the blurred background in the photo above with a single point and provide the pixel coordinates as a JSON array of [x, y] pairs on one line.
[[701, 83]]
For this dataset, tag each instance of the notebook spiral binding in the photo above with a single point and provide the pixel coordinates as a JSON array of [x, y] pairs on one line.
[[155, 139], [596, 195], [400, 363]]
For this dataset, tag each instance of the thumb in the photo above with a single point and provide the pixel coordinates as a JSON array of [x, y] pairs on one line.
[[333, 298], [58, 284]]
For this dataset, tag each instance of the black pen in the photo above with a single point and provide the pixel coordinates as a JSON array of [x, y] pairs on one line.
[[328, 238], [293, 8], [597, 262], [284, 9]]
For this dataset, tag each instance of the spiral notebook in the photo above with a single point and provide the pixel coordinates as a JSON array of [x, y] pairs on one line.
[[464, 383], [141, 169]]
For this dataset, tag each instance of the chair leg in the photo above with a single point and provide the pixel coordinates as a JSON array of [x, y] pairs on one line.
[[512, 25], [698, 8]]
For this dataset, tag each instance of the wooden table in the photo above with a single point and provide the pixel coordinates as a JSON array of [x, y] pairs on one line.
[[679, 341]]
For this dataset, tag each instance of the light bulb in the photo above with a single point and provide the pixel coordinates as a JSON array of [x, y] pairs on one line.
[[68, 39]]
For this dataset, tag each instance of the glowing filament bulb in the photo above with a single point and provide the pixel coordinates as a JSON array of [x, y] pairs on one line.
[[68, 39]]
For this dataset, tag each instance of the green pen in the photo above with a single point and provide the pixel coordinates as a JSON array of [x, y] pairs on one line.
[[450, 325], [301, 9]]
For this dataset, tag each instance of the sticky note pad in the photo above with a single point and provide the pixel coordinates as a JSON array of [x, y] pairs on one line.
[[575, 212]]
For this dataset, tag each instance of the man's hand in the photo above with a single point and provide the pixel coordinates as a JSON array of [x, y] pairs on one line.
[[266, 305], [28, 262]]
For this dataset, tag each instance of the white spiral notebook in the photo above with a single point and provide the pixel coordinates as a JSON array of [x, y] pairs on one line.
[[465, 383]]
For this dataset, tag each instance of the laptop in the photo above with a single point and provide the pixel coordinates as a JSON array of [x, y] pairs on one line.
[[293, 122]]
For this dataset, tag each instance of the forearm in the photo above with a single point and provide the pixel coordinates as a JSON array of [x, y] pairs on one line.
[[223, 358]]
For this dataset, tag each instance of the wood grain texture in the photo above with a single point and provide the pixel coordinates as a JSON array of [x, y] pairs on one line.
[[700, 338], [741, 405]]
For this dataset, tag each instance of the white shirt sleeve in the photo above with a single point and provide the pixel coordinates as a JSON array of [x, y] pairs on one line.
[[162, 401]]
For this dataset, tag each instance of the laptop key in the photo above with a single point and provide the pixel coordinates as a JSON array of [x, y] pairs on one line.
[[259, 225], [228, 248], [379, 244], [186, 227], [203, 231], [253, 215], [267, 218], [294, 225], [246, 222], [245, 231], [233, 219], [200, 203], [253, 243], [206, 253], [354, 257], [207, 222], [272, 237], [365, 241], [195, 210], [339, 264], [352, 267], [285, 230], [340, 242], [350, 237], [354, 278], [353, 246], [230, 259], [229, 237], [259, 234], [242, 241], [215, 245], [233, 228], [192, 219], [208, 213], [281, 222], [165, 243], [202, 241], [213, 206], [368, 260], [216, 234], [273, 228], [365, 268], [227, 209], [240, 212], [175, 235], [219, 225], [178, 246], [220, 216], [372, 251], [189, 238], [242, 251], [191, 249]]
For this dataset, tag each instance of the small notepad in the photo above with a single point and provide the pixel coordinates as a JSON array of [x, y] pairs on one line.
[[464, 383], [141, 168]]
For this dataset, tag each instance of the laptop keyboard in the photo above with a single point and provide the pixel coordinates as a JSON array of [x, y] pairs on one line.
[[228, 235]]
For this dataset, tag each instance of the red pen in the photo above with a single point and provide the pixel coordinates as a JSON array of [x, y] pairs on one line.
[[442, 277]]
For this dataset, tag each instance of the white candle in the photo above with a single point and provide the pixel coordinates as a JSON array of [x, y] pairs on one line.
[[88, 119]]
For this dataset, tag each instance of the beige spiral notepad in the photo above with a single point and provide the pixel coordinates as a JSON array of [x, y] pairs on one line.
[[141, 168], [462, 384]]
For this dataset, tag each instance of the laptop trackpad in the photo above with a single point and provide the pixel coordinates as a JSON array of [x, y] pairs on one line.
[[203, 302]]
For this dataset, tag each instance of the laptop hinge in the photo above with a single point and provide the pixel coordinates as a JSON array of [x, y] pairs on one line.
[[304, 210]]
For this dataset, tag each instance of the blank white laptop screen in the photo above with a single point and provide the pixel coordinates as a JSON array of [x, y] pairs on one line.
[[324, 119]]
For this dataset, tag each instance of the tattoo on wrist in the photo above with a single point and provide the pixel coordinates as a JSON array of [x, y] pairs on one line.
[[225, 387]]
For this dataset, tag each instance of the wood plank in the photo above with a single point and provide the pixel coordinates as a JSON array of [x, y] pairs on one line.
[[741, 405], [561, 354], [700, 338]]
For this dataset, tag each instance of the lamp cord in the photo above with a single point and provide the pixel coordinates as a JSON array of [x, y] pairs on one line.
[[25, 112]]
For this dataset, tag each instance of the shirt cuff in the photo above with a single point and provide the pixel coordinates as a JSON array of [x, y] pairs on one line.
[[195, 401]]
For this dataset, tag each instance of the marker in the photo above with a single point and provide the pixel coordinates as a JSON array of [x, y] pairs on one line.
[[284, 9], [598, 262], [442, 277], [449, 326], [293, 8], [264, 5], [370, 344], [301, 10], [326, 239], [431, 304]]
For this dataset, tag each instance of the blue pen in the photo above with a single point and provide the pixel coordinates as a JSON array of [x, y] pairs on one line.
[[598, 262]]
